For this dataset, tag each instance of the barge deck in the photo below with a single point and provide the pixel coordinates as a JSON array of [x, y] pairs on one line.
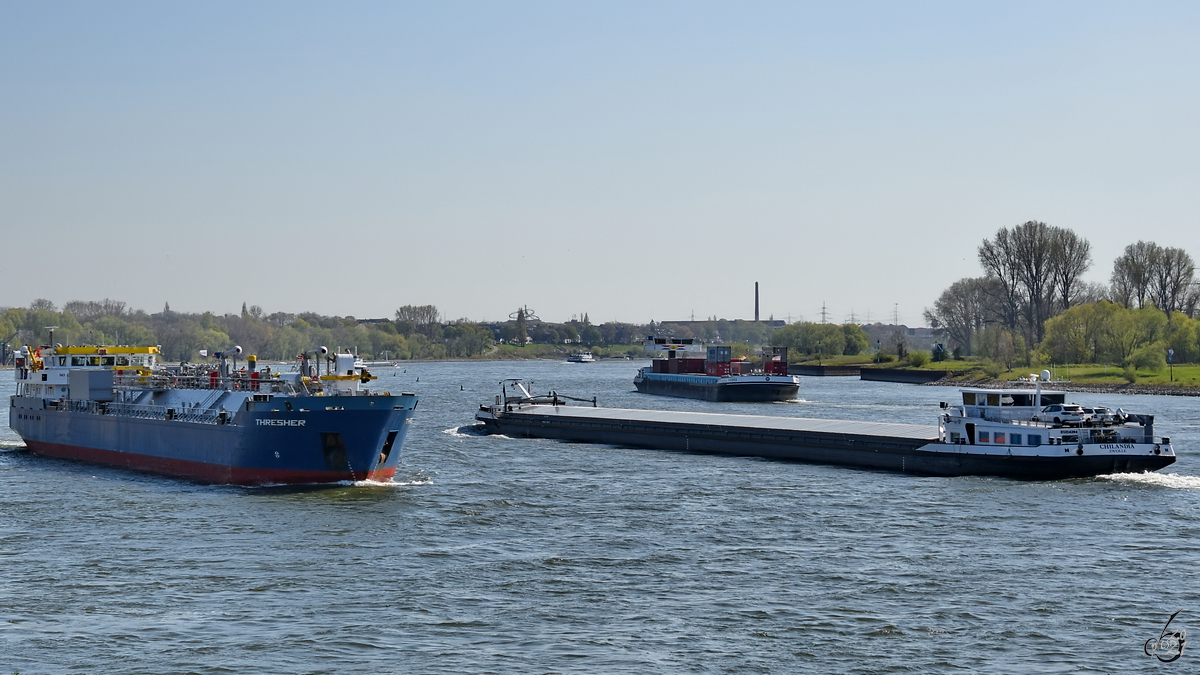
[[871, 444], [971, 440]]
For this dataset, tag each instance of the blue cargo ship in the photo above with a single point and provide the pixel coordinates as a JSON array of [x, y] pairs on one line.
[[209, 422]]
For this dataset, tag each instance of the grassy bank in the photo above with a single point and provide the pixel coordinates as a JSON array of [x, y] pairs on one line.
[[1179, 379]]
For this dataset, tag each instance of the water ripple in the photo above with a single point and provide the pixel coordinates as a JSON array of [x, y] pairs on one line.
[[495, 555]]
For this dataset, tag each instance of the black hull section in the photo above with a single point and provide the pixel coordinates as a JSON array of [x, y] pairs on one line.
[[750, 392], [865, 452]]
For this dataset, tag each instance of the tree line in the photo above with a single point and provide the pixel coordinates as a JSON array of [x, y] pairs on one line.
[[1031, 299], [414, 332]]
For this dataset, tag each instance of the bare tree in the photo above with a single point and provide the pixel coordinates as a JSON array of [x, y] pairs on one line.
[[1024, 260], [1149, 273], [1131, 273], [92, 310], [1071, 256], [42, 305], [421, 315], [998, 257], [1035, 241], [963, 309], [1171, 279], [1089, 291]]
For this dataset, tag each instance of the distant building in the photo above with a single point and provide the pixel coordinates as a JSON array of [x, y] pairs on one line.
[[881, 334]]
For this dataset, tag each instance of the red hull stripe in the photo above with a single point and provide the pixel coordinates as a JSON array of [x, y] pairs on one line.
[[203, 471]]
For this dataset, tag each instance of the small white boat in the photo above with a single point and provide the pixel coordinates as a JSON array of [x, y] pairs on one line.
[[581, 357]]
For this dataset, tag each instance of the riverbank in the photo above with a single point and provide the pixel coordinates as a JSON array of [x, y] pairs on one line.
[[1150, 389]]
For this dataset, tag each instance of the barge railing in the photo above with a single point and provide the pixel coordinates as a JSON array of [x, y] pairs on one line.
[[180, 381], [150, 412]]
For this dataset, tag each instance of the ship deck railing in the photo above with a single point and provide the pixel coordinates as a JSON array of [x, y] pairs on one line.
[[171, 381], [1115, 433], [149, 412], [1090, 436]]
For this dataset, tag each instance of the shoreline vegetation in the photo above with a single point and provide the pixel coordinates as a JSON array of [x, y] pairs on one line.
[[1099, 346]]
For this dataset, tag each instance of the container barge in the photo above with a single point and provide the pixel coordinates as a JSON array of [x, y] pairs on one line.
[[716, 376], [992, 433]]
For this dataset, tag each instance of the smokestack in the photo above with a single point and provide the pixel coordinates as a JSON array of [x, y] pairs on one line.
[[756, 301]]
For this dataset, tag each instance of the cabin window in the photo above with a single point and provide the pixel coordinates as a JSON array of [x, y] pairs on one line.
[[955, 437], [122, 360], [93, 360], [993, 399], [999, 437], [62, 360], [1014, 439], [1035, 439], [968, 398], [108, 361], [78, 361], [984, 436]]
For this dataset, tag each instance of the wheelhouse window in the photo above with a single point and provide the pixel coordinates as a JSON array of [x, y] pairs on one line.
[[78, 361], [122, 360]]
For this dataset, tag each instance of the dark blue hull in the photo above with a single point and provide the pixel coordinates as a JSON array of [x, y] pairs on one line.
[[284, 440], [713, 389]]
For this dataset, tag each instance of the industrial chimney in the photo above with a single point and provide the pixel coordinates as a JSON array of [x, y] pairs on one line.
[[756, 302]]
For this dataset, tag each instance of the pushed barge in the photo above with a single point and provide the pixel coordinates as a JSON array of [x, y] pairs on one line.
[[209, 422], [973, 439], [717, 377]]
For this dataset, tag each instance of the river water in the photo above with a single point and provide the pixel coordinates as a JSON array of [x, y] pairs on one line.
[[497, 555]]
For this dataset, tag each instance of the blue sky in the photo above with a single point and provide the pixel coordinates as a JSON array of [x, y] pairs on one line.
[[634, 161]]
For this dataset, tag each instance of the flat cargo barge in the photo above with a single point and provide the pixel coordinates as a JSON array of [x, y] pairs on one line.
[[793, 438], [964, 442]]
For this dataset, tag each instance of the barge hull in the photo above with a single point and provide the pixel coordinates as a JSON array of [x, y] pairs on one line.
[[723, 392], [860, 445]]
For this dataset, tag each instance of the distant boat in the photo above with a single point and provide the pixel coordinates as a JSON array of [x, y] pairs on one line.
[[716, 377], [581, 357]]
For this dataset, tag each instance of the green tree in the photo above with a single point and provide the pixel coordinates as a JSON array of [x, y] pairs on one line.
[[857, 340]]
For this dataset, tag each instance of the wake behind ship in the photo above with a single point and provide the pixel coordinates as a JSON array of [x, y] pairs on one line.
[[209, 422]]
